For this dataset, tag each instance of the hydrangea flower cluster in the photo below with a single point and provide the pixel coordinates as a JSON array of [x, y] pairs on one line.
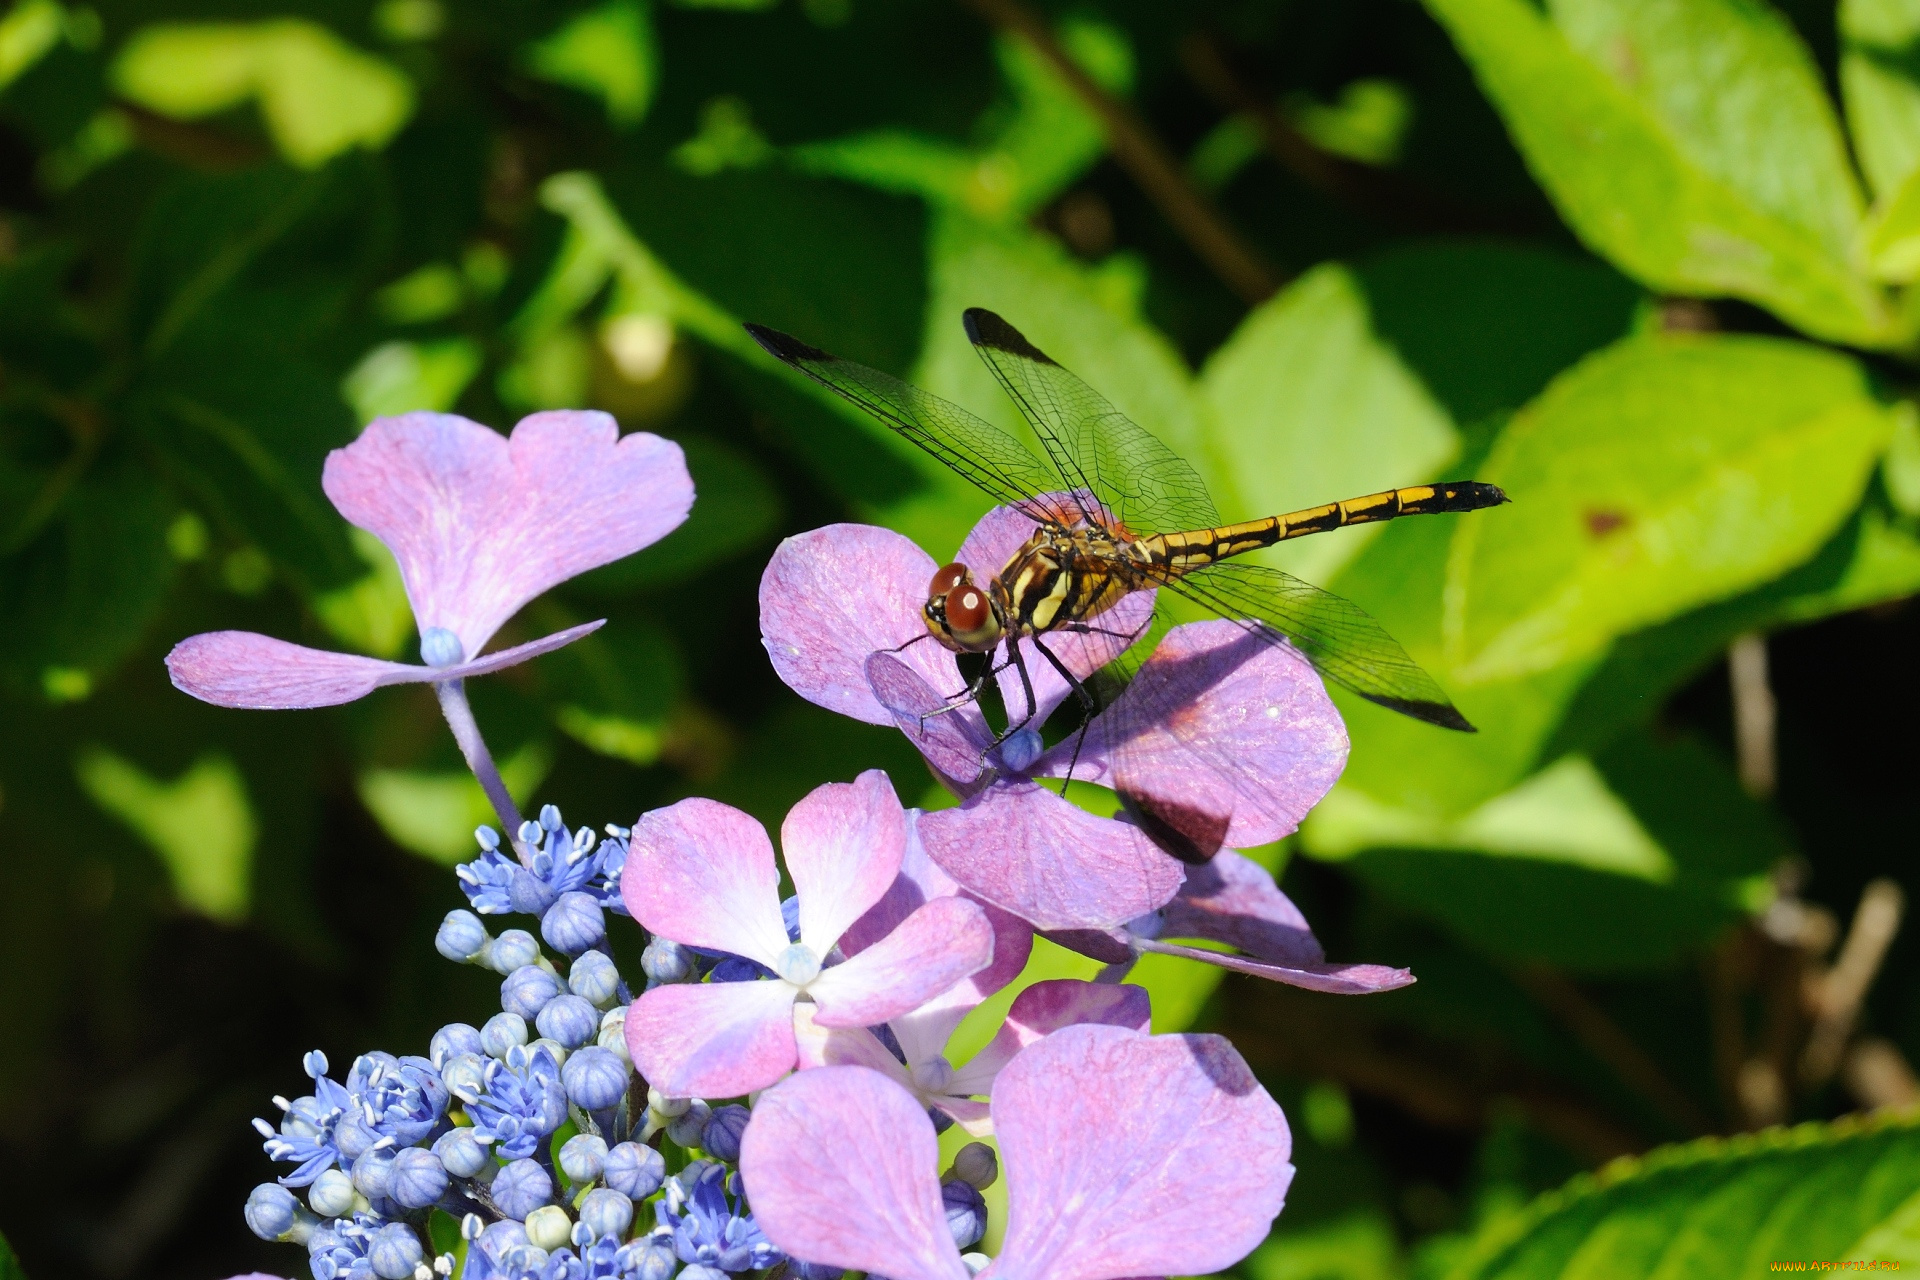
[[765, 1094]]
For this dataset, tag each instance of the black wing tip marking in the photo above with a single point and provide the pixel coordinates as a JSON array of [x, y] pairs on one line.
[[1442, 714], [986, 329], [782, 346]]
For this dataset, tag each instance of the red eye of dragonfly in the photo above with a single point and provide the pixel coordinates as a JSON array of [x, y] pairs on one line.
[[946, 580], [967, 609]]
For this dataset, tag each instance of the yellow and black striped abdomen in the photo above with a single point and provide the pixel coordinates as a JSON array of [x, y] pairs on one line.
[[1197, 548]]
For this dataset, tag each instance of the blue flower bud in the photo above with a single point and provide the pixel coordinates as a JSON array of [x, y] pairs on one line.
[[464, 1075], [613, 1033], [595, 1078], [594, 979], [522, 1187], [689, 1128], [635, 1171], [722, 1137], [549, 1227], [395, 1251], [460, 1153], [502, 1032], [331, 1195], [966, 1213], [798, 1270], [418, 1179], [569, 1020], [271, 1211], [461, 936], [527, 990], [510, 950], [529, 894], [373, 1172], [582, 1157], [439, 647], [699, 1271], [976, 1165], [573, 923], [654, 1261], [353, 1136], [455, 1037], [665, 962], [606, 1212], [499, 1237]]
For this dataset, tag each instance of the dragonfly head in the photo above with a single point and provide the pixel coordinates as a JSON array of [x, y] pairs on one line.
[[960, 613]]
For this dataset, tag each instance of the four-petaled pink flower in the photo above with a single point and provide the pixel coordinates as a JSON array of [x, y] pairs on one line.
[[703, 874], [1125, 1155], [1220, 730], [480, 525]]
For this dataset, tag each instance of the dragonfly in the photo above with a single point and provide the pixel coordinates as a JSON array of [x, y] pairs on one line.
[[1116, 512]]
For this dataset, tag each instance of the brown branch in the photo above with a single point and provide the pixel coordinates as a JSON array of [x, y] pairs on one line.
[[1388, 197], [1754, 714], [1837, 996], [1604, 1038], [1146, 159]]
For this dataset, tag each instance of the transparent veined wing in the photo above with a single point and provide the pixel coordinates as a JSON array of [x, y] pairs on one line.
[[1093, 445], [1341, 639], [993, 460]]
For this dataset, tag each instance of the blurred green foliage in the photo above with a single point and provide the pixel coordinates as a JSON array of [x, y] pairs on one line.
[[1613, 255]]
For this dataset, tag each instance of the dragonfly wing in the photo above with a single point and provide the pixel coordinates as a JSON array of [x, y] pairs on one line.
[[996, 462], [1093, 446], [1341, 639]]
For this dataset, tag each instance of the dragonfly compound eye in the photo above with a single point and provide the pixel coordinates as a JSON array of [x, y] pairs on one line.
[[947, 579], [970, 616]]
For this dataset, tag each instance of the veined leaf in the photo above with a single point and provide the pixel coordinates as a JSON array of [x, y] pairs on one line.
[[1723, 1207], [1741, 192], [1660, 475]]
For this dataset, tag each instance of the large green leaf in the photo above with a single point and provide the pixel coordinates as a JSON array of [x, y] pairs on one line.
[[1877, 81], [1743, 191], [9, 1264], [1659, 475], [1825, 1193]]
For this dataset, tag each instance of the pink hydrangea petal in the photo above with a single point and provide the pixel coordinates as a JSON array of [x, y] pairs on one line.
[[712, 1039], [954, 739], [248, 670], [842, 1046], [935, 947], [1233, 899], [1044, 1008], [834, 595], [841, 1166], [1135, 1155], [923, 1033], [1020, 846], [1222, 740], [1335, 979], [843, 844], [702, 873], [481, 524]]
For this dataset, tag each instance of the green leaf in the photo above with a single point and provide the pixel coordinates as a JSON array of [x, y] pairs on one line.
[[1659, 475], [1305, 383], [1723, 1207], [201, 824], [434, 814], [318, 95], [1743, 191], [1879, 39], [1891, 238], [400, 377], [616, 689], [608, 52], [27, 34]]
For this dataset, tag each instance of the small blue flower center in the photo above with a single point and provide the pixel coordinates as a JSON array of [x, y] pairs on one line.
[[1021, 749], [933, 1076], [439, 647], [798, 964]]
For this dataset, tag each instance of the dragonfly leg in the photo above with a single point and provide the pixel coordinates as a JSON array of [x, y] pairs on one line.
[[1084, 696]]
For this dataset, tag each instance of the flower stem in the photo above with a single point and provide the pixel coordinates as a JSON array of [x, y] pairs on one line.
[[466, 732]]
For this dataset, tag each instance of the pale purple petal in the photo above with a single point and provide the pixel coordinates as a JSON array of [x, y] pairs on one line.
[[830, 597], [843, 844], [953, 738], [842, 1047], [1233, 899], [935, 947], [1335, 979], [987, 550], [1222, 740], [1044, 1008], [246, 669], [841, 1166], [1135, 1155], [712, 1039], [923, 1033], [971, 1114], [1020, 846], [481, 524], [702, 874]]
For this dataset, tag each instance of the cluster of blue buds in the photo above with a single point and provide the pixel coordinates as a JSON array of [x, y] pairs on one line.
[[527, 1146]]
